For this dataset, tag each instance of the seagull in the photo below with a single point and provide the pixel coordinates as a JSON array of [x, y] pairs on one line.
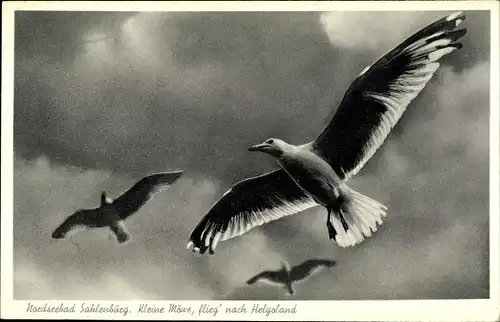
[[112, 213], [287, 276], [315, 173]]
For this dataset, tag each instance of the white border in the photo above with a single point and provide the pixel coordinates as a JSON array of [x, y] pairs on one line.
[[442, 310]]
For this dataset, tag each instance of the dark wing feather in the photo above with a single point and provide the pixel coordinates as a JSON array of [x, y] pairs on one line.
[[250, 203], [135, 197], [306, 268], [377, 98], [82, 219], [268, 276]]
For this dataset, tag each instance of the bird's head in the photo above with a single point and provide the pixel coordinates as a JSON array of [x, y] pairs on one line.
[[274, 147], [285, 266]]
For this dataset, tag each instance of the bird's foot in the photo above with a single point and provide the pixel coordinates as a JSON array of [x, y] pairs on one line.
[[332, 233]]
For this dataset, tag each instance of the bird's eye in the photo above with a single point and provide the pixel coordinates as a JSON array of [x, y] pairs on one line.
[[270, 141]]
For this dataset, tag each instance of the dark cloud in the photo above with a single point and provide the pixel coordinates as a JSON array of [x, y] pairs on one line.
[[103, 98], [240, 79]]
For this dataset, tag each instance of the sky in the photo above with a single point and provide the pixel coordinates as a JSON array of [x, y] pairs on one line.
[[103, 99]]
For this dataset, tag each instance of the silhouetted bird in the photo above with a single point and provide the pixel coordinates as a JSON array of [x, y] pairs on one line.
[[297, 274], [112, 213], [316, 173]]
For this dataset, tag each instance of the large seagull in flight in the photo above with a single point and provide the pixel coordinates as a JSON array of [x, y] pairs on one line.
[[316, 173], [112, 213]]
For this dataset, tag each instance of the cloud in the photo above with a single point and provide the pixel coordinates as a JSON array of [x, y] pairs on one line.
[[131, 104], [148, 92], [378, 32], [154, 266], [33, 283]]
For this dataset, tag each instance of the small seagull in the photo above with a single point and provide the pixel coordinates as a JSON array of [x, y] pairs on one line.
[[297, 274], [315, 173], [112, 213]]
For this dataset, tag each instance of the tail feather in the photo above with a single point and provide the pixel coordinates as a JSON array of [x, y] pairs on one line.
[[362, 215]]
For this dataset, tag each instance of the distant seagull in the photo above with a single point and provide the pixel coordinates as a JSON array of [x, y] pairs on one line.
[[287, 276], [112, 213], [316, 173]]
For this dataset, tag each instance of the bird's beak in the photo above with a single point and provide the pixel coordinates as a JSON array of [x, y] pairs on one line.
[[258, 147]]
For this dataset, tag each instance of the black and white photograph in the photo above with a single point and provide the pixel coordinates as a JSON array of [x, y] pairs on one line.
[[181, 157]]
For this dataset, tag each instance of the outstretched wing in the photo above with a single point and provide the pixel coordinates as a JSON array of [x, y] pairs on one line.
[[309, 267], [79, 221], [250, 203], [377, 98], [135, 197]]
